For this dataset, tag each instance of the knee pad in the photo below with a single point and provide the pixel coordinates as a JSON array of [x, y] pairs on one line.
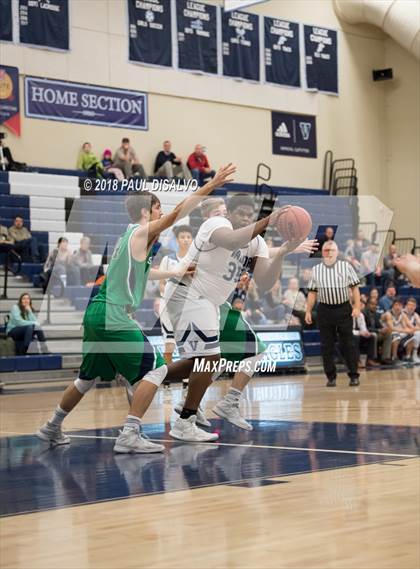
[[156, 376], [250, 364], [83, 385]]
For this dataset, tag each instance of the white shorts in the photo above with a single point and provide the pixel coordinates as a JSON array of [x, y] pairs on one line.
[[166, 324], [195, 322]]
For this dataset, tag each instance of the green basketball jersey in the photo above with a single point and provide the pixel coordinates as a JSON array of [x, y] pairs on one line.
[[126, 278]]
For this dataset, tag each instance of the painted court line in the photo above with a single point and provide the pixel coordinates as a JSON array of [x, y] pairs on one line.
[[357, 452]]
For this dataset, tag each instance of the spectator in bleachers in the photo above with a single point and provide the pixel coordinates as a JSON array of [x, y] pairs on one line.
[[61, 265], [390, 273], [108, 165], [305, 279], [386, 301], [370, 263], [373, 295], [274, 308], [168, 165], [350, 255], [402, 332], [328, 236], [375, 325], [82, 258], [367, 340], [254, 311], [199, 165], [23, 326], [24, 243], [360, 245], [414, 319], [89, 162], [295, 300], [4, 235], [126, 160]]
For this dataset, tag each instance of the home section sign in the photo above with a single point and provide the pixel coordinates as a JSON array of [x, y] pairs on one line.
[[294, 135], [80, 103], [197, 36]]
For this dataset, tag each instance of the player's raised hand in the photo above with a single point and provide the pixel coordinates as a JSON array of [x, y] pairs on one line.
[[308, 246], [224, 175]]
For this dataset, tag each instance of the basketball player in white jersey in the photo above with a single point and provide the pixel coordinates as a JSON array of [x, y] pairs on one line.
[[401, 330], [224, 247], [414, 319]]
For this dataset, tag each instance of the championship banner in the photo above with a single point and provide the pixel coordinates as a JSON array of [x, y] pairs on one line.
[[44, 23], [241, 45], [281, 43], [89, 104], [197, 36], [6, 25], [321, 59], [294, 135], [150, 32], [9, 98]]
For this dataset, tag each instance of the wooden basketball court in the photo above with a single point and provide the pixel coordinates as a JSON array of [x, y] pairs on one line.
[[328, 478]]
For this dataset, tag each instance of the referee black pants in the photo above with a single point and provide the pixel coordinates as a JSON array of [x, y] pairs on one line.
[[333, 322]]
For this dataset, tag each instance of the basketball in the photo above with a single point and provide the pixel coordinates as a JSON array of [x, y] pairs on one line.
[[296, 223]]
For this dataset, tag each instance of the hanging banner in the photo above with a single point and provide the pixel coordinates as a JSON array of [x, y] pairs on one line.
[[44, 23], [239, 4], [197, 36], [293, 135], [282, 61], [241, 45], [150, 32], [6, 26], [9, 98], [321, 59], [80, 103]]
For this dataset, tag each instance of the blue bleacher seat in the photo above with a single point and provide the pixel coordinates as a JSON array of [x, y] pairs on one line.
[[30, 363]]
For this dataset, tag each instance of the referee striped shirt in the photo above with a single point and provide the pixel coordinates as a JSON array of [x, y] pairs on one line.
[[331, 283]]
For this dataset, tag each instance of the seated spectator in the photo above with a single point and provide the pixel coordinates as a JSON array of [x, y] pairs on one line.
[[168, 165], [89, 162], [414, 319], [350, 255], [9, 163], [370, 263], [126, 160], [402, 332], [4, 235], [60, 264], [295, 300], [367, 340], [24, 243], [274, 308], [108, 165], [386, 301], [305, 278], [254, 310], [360, 245], [376, 326], [328, 236], [373, 295], [390, 273], [23, 326], [82, 258], [199, 165]]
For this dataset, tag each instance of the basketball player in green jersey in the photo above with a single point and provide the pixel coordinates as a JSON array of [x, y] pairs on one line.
[[113, 341]]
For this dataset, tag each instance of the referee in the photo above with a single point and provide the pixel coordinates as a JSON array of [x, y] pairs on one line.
[[330, 284]]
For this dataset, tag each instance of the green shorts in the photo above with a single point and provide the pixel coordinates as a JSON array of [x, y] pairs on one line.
[[238, 340], [114, 343]]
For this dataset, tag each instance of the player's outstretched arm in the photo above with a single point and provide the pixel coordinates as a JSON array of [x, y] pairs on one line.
[[232, 239], [267, 271], [223, 176]]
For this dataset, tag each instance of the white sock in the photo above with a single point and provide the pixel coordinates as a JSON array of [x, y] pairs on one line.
[[132, 423], [58, 416], [233, 395]]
